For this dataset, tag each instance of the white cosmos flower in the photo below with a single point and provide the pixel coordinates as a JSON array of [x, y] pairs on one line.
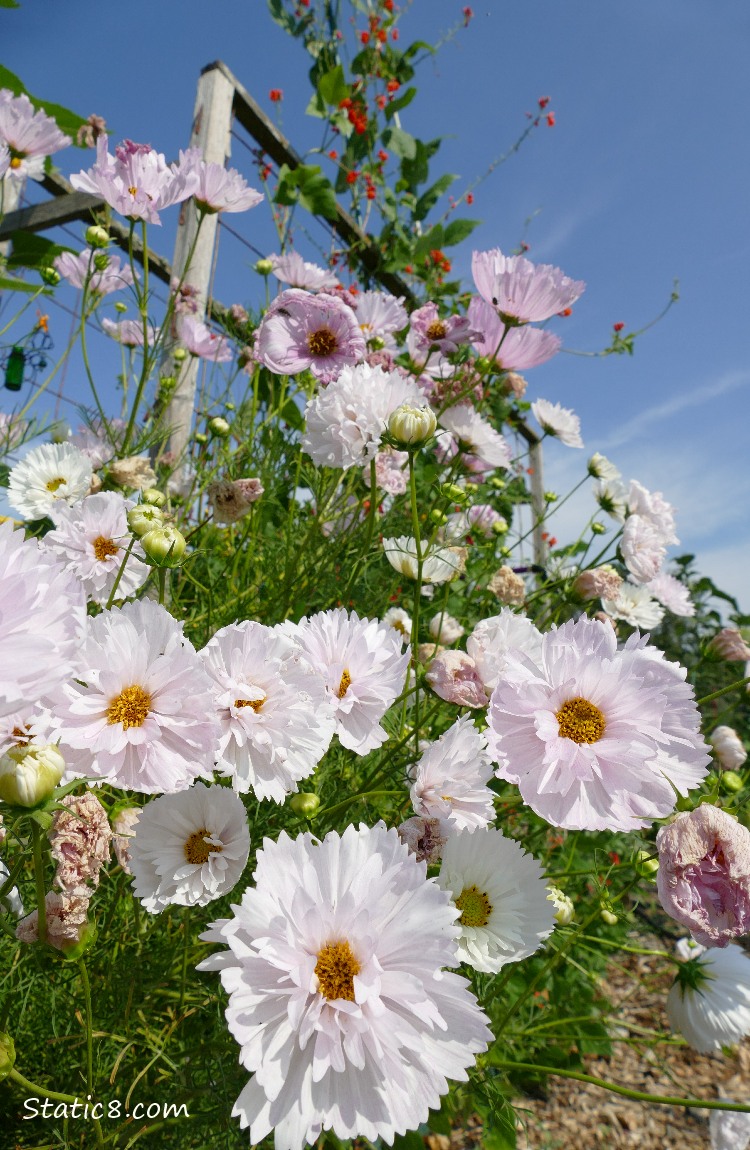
[[400, 620], [612, 497], [730, 1130], [188, 848], [140, 712], [559, 421], [275, 719], [634, 605], [48, 475], [501, 893], [362, 667], [439, 564], [43, 613], [337, 997], [709, 1002], [642, 548], [653, 506], [476, 435], [596, 738], [493, 638], [92, 539], [671, 593], [444, 628], [450, 780]]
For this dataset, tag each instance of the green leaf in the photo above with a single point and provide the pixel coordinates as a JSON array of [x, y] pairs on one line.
[[67, 121], [316, 192], [459, 230], [401, 143], [32, 251], [316, 107], [9, 4], [4, 474], [333, 87], [429, 198], [428, 242], [280, 16], [499, 1132], [403, 101], [286, 191], [410, 1141]]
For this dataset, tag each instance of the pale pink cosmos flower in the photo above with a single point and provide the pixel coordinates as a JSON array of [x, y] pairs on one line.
[[493, 639], [483, 518], [363, 668], [95, 443], [476, 436], [730, 645], [454, 677], [379, 315], [596, 738], [12, 431], [704, 874], [642, 548], [671, 593], [304, 332], [507, 586], [129, 332], [218, 189], [230, 499], [447, 335], [521, 291], [512, 348], [292, 269], [728, 747], [30, 135], [76, 270], [80, 839], [137, 181], [391, 471], [653, 506], [202, 342], [345, 422], [4, 158], [450, 780], [559, 421], [444, 628]]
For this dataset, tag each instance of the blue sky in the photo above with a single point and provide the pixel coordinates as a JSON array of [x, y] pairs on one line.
[[643, 179]]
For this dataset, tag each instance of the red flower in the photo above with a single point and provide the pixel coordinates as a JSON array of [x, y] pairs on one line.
[[408, 269], [380, 101], [552, 541], [469, 198], [468, 14], [371, 192], [333, 155], [388, 5], [275, 95], [382, 36], [618, 326], [543, 102], [550, 118], [393, 85], [394, 34], [566, 312], [364, 37], [351, 177], [382, 156], [346, 102]]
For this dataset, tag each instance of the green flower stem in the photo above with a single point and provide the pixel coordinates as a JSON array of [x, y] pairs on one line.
[[41, 1091], [629, 949], [185, 943], [723, 691], [417, 591], [89, 1026], [625, 1091], [116, 583], [353, 799], [36, 838]]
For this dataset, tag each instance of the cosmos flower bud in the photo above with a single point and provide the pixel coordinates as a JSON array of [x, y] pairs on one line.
[[598, 528], [729, 644], [144, 518], [439, 517], [49, 276], [304, 803], [218, 426], [645, 865], [728, 747], [97, 236], [200, 438], [564, 909], [120, 306], [453, 492], [264, 267], [608, 916], [731, 782], [411, 425], [179, 354], [154, 497], [7, 1055], [164, 546], [29, 775]]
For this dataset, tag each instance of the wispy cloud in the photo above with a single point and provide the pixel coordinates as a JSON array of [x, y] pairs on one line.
[[644, 421]]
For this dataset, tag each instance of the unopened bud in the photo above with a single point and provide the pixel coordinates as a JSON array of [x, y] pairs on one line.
[[731, 781], [229, 406], [411, 425], [29, 775], [201, 438], [179, 354], [219, 427], [164, 546], [97, 236], [483, 364], [264, 267], [377, 343], [7, 1055], [154, 497], [498, 483], [101, 261], [438, 517], [50, 276], [565, 911], [645, 865], [144, 518], [305, 803], [598, 528], [120, 306], [500, 526], [551, 497], [608, 916], [453, 493]]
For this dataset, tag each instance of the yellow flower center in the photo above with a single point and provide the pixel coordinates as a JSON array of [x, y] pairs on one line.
[[256, 704], [133, 190], [15, 163], [581, 721], [344, 685], [103, 548], [130, 707], [437, 330], [197, 850], [322, 342], [336, 968], [53, 484], [475, 907]]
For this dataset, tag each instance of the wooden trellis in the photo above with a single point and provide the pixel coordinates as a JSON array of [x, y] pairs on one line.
[[220, 98]]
